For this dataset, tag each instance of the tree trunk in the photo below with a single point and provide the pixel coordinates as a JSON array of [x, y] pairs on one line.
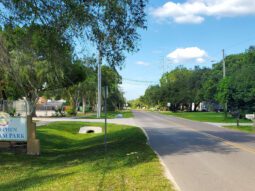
[[32, 101], [84, 104], [190, 106], [238, 119], [225, 111], [237, 122], [196, 105]]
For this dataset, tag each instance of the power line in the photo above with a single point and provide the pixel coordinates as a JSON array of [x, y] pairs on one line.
[[140, 81]]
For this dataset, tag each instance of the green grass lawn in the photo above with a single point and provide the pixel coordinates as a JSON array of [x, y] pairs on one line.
[[71, 161], [110, 114], [247, 129], [206, 117]]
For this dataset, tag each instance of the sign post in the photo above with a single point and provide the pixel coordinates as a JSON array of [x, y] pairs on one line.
[[33, 144], [105, 95]]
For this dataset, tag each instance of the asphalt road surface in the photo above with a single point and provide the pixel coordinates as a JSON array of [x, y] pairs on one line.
[[201, 157]]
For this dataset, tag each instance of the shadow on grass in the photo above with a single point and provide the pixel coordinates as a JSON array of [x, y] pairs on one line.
[[62, 150], [32, 181]]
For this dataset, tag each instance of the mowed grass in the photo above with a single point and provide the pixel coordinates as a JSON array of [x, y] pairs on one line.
[[71, 161], [110, 114], [247, 129], [206, 117]]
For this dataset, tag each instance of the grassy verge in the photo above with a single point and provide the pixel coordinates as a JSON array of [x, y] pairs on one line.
[[247, 129], [206, 117], [71, 161], [110, 114]]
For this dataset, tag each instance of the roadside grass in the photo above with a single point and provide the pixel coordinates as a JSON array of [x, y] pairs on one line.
[[72, 161], [110, 114], [247, 129], [206, 117]]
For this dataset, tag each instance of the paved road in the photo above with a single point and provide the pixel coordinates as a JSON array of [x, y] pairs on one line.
[[200, 156]]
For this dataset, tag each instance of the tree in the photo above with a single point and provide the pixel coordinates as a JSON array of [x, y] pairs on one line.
[[152, 95], [137, 103], [38, 61], [197, 79], [176, 90], [182, 87], [223, 93], [110, 25], [112, 79]]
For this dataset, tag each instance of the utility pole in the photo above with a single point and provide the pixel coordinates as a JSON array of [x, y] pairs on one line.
[[224, 76], [224, 65], [99, 87]]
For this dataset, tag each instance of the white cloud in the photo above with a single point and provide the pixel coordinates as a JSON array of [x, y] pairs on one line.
[[142, 63], [195, 11], [190, 54]]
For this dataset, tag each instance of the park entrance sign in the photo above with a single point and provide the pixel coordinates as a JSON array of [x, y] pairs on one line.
[[17, 129], [12, 128]]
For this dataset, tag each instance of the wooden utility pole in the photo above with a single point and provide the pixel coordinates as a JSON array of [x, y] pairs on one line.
[[224, 76], [224, 64]]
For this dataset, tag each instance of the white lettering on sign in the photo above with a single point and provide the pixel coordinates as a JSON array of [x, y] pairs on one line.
[[12, 128], [250, 116]]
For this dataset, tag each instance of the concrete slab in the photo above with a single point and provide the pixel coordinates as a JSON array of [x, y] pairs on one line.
[[90, 129], [121, 121]]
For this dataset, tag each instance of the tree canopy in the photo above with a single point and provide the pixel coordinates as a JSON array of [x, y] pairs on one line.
[[182, 87], [110, 25]]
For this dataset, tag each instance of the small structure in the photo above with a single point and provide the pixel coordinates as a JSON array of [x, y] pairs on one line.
[[90, 129], [119, 116], [46, 107]]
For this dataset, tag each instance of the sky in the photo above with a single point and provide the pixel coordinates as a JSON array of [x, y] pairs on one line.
[[188, 33]]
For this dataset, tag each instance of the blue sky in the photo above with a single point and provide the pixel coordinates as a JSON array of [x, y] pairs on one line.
[[187, 33]]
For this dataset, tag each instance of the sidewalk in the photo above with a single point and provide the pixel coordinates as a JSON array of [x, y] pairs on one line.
[[228, 124]]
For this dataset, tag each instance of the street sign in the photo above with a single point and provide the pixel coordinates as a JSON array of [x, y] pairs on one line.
[[250, 116]]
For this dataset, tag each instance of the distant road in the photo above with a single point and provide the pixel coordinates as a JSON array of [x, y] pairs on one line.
[[200, 156]]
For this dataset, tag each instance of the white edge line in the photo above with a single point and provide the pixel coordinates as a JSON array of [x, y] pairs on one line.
[[167, 172]]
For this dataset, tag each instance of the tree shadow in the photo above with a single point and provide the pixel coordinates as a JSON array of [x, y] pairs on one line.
[[32, 181], [181, 142], [234, 136], [60, 151]]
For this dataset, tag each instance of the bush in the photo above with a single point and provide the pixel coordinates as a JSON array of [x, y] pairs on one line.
[[59, 112], [70, 110]]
